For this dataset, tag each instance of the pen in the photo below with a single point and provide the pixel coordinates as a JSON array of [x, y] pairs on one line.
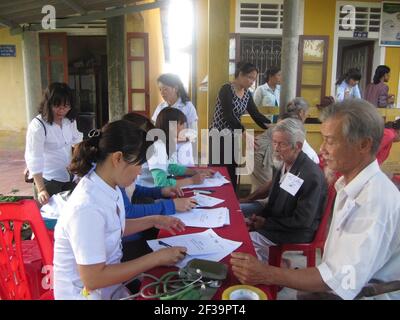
[[169, 246], [204, 191]]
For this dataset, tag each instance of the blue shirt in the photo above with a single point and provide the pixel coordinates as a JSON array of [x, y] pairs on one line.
[[132, 211], [354, 92]]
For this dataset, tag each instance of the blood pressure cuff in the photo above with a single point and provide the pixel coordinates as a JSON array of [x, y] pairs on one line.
[[212, 274]]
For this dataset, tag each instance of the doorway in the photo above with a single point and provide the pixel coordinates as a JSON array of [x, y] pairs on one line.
[[356, 54], [87, 77]]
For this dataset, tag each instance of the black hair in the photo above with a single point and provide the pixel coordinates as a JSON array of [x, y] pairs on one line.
[[380, 72], [271, 72], [164, 117], [352, 73], [139, 121], [393, 124], [172, 80], [115, 136], [56, 94], [244, 68]]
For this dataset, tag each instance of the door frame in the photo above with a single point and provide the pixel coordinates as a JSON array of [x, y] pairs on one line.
[[145, 59], [371, 44]]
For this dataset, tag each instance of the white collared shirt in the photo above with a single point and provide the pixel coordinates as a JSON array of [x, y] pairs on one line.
[[310, 152], [158, 160], [353, 92], [187, 108], [364, 237], [88, 232], [50, 153], [265, 96]]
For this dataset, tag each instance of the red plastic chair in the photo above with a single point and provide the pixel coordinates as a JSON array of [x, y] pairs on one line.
[[309, 249], [13, 280]]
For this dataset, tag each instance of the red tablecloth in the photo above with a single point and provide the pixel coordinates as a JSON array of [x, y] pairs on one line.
[[236, 231]]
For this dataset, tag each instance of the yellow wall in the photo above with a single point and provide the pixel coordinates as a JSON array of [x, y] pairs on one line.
[[12, 89], [149, 21], [392, 59], [319, 19], [202, 60], [232, 16]]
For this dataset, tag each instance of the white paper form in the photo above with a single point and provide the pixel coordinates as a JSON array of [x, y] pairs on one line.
[[206, 201], [216, 180], [205, 218], [204, 245]]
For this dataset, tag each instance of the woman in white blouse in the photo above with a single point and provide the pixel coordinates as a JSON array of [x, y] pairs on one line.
[[49, 140], [268, 93], [88, 250], [175, 96]]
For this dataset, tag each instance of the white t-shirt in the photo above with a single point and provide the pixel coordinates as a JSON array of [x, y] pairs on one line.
[[187, 108], [158, 160], [50, 153], [310, 152], [265, 96], [364, 237], [88, 232]]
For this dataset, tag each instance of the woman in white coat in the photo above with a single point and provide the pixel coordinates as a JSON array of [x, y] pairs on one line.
[[49, 140], [88, 250], [175, 96]]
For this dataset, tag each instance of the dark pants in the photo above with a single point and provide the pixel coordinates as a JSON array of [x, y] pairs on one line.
[[54, 187], [139, 247], [229, 164]]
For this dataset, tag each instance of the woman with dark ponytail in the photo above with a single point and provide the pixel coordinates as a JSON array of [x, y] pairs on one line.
[[88, 234], [348, 85], [377, 92]]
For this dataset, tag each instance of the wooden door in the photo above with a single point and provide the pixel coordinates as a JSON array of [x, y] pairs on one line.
[[53, 58], [312, 66], [138, 73], [359, 56]]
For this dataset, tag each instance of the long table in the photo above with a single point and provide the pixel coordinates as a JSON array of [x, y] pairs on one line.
[[236, 231]]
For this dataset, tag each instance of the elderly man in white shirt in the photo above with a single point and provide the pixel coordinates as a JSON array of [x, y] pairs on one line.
[[363, 243]]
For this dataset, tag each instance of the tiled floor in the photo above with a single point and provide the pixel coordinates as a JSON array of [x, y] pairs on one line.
[[12, 165]]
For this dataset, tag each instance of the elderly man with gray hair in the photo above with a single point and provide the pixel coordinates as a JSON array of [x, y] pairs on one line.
[[363, 244], [297, 193]]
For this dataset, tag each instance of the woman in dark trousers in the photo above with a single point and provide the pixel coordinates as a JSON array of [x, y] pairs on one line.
[[49, 141], [234, 99]]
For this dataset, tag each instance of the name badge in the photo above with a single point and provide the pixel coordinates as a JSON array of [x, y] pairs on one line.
[[291, 183]]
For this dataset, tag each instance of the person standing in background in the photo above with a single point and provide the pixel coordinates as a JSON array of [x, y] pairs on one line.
[[348, 85], [49, 140], [268, 93], [377, 92], [175, 96], [234, 99]]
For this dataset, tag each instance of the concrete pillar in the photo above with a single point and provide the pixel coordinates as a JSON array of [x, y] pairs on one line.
[[218, 50], [116, 39], [33, 84], [293, 13]]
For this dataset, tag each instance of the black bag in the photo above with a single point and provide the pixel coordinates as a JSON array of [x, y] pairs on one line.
[[26, 171]]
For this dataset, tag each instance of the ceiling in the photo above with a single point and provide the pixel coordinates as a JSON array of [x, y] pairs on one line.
[[20, 15]]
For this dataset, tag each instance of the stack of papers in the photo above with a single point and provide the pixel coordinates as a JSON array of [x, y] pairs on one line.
[[205, 218], [205, 245], [55, 206], [216, 180], [206, 201]]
